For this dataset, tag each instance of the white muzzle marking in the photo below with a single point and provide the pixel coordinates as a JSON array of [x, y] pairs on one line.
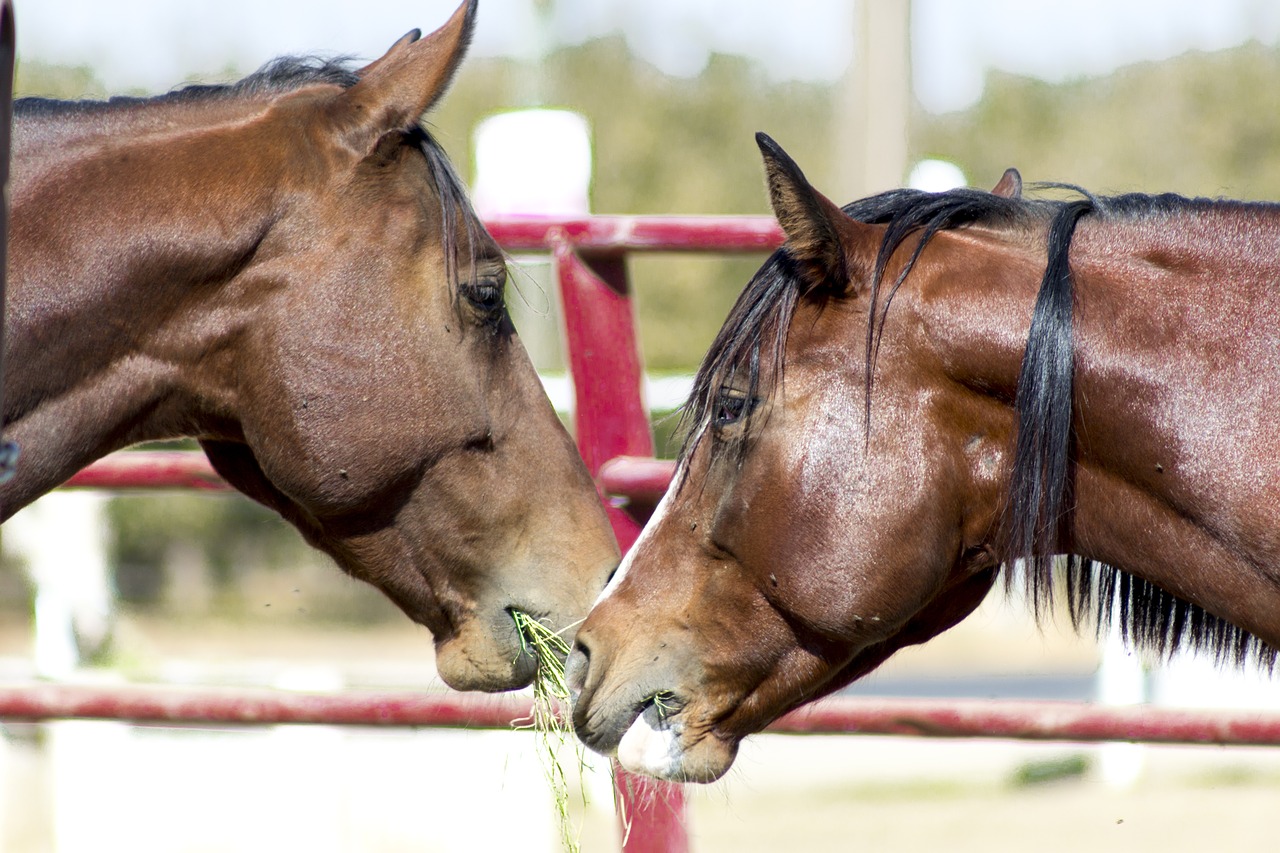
[[651, 751]]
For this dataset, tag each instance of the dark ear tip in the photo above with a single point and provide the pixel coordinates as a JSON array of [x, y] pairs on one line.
[[411, 36], [778, 160]]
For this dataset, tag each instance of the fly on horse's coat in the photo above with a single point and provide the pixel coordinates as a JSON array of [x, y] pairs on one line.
[[287, 269], [920, 389]]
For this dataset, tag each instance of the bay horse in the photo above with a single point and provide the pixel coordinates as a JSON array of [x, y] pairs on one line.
[[919, 389], [288, 269]]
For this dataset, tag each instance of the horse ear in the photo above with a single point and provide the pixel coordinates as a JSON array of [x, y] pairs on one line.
[[820, 237], [395, 90], [404, 41], [1010, 185]]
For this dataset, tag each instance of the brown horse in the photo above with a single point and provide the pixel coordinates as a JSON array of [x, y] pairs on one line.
[[918, 389], [288, 269]]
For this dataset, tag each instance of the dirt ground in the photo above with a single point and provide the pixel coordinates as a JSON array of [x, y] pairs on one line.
[[1185, 800], [1065, 817], [1227, 807]]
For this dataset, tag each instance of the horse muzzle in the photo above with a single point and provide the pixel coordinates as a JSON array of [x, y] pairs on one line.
[[647, 730], [486, 654]]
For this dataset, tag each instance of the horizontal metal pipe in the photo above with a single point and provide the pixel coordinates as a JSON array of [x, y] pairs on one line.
[[1037, 721], [150, 469], [639, 233], [636, 477], [208, 706]]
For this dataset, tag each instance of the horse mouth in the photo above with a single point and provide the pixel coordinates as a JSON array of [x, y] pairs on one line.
[[545, 647], [492, 653], [660, 743]]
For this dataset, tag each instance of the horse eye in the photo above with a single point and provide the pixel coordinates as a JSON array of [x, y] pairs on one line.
[[731, 406], [486, 293]]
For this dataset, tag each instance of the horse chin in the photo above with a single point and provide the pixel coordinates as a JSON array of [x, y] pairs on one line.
[[485, 657], [654, 746]]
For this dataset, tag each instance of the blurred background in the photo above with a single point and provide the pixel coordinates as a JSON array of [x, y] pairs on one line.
[[1112, 95]]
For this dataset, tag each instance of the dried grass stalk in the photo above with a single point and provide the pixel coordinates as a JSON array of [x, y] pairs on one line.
[[550, 717]]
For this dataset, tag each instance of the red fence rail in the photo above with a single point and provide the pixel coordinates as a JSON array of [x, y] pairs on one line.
[[1079, 722], [151, 469], [614, 438]]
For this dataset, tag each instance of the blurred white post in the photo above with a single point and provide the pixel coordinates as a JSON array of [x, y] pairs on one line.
[[62, 539], [876, 108], [1121, 681], [532, 162], [936, 176]]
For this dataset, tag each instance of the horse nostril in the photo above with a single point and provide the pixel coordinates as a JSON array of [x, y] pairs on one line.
[[575, 669]]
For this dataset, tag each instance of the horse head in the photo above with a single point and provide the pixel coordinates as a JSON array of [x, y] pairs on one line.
[[288, 270], [806, 537]]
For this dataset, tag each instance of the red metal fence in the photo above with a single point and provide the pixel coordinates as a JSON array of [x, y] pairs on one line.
[[1076, 722], [613, 435]]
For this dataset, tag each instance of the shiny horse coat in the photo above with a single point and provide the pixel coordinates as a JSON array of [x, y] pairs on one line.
[[920, 389]]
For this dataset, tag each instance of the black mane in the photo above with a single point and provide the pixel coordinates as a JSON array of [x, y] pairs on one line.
[[763, 310], [1039, 509]]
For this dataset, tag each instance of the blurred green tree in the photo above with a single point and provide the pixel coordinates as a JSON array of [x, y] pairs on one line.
[[41, 79], [1201, 124]]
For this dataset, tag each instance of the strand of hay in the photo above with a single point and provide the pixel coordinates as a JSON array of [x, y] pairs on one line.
[[552, 727]]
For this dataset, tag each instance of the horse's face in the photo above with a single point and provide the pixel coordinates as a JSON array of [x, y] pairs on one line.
[[383, 402], [794, 551]]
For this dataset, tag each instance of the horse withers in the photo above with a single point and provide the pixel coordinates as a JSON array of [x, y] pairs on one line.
[[288, 269], [919, 389]]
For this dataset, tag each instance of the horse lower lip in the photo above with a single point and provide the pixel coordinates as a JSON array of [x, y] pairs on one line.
[[601, 733], [650, 745]]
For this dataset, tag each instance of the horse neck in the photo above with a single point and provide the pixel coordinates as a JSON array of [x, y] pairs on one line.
[[1174, 376], [1177, 433], [123, 239]]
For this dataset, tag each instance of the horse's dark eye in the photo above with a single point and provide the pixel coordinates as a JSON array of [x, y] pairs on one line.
[[731, 406], [486, 293]]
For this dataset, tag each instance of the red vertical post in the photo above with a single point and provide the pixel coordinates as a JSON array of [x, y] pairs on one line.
[[611, 420]]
